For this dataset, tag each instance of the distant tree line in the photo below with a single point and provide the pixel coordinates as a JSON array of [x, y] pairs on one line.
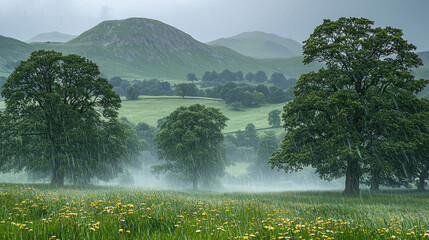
[[248, 95], [238, 95], [211, 79], [133, 89]]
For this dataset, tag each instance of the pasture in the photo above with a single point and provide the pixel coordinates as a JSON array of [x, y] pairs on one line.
[[149, 109]]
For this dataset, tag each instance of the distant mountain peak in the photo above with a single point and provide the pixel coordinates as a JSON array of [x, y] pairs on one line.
[[259, 44], [54, 36]]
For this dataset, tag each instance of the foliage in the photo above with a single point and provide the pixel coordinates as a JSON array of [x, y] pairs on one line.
[[248, 95], [332, 124], [152, 87], [213, 78], [247, 138], [190, 140], [191, 77], [260, 77], [2, 82], [278, 95], [274, 118], [250, 76], [279, 80], [186, 89], [132, 93], [62, 117], [267, 144]]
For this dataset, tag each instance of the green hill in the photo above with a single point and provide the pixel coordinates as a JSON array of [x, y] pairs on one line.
[[139, 47], [424, 56], [11, 52], [261, 45], [144, 48], [51, 37]]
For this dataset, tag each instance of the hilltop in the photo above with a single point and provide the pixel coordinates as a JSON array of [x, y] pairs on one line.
[[261, 45], [145, 48], [51, 37]]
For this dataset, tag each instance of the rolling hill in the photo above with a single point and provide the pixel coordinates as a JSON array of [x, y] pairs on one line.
[[12, 51], [51, 37], [145, 48], [424, 56], [261, 45]]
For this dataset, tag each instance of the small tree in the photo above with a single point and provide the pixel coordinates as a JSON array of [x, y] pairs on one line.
[[186, 89], [249, 76], [190, 140], [260, 77], [191, 77], [274, 118], [132, 93], [267, 144], [248, 137]]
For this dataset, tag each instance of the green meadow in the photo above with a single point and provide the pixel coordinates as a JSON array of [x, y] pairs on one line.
[[150, 109], [42, 212]]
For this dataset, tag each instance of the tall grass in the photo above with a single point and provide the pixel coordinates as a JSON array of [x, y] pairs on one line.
[[42, 212]]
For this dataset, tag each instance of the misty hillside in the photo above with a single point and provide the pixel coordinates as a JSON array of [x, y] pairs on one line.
[[261, 45], [11, 52], [51, 37], [145, 48], [424, 56], [148, 47]]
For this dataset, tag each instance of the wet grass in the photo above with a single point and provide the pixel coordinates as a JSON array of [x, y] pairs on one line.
[[42, 212], [150, 109]]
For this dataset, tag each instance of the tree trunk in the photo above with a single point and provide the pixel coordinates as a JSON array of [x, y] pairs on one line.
[[421, 182], [195, 179], [375, 180], [195, 182], [57, 175], [352, 178], [375, 186]]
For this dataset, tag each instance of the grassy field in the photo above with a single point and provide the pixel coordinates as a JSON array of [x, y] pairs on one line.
[[42, 212], [150, 109]]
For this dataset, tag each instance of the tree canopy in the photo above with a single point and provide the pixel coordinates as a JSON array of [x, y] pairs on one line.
[[186, 89], [191, 142], [61, 116], [336, 122], [274, 118]]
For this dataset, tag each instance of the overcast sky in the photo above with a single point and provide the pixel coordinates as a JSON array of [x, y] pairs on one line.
[[208, 20]]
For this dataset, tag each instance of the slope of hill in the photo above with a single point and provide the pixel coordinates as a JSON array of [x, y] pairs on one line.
[[144, 48], [51, 37], [261, 45], [11, 52], [138, 47], [424, 56]]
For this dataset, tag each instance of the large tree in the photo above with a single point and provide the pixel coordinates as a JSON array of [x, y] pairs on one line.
[[191, 142], [331, 123], [61, 116]]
